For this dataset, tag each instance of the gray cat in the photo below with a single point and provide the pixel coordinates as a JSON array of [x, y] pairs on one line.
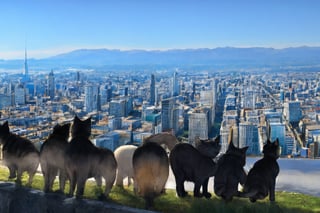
[[52, 157]]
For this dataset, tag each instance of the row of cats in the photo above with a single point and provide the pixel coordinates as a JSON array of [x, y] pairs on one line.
[[69, 153]]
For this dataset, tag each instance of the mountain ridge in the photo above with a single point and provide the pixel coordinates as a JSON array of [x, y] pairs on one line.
[[222, 56]]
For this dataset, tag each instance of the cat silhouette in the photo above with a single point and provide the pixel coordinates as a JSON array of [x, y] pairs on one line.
[[261, 179], [230, 172]]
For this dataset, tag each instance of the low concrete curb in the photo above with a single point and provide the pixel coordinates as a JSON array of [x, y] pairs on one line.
[[14, 199]]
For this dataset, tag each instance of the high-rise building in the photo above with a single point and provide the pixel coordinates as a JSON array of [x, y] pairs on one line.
[[207, 98], [118, 108], [109, 93], [249, 136], [169, 114], [277, 130], [51, 85], [175, 85], [193, 91], [292, 111], [103, 95], [91, 93], [248, 99], [5, 101], [152, 90], [198, 125], [78, 76], [19, 94]]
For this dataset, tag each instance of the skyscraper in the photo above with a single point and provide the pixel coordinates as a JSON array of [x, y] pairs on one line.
[[51, 85], [198, 125], [292, 111], [248, 98], [26, 70], [103, 95], [152, 90], [175, 85], [19, 94], [91, 93], [169, 114], [193, 91], [249, 136], [277, 130], [117, 108]]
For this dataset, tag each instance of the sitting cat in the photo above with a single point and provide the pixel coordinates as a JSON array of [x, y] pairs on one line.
[[194, 164], [261, 179], [230, 172]]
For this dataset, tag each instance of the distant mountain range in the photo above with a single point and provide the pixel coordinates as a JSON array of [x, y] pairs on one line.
[[217, 57]]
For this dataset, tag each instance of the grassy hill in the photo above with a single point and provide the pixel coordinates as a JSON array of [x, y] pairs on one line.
[[169, 202]]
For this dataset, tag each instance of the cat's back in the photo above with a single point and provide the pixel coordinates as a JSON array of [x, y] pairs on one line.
[[18, 145], [266, 165], [79, 145], [228, 162]]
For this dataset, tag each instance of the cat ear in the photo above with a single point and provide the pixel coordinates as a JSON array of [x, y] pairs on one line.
[[76, 118], [231, 145], [276, 142], [244, 149], [268, 141], [5, 126]]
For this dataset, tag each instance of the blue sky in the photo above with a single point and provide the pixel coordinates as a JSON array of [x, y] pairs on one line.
[[50, 27]]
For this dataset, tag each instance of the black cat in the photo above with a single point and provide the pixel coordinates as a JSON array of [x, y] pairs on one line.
[[84, 160], [19, 154], [230, 172], [261, 179], [196, 165]]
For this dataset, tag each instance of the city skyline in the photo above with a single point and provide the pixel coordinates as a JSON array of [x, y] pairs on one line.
[[49, 28]]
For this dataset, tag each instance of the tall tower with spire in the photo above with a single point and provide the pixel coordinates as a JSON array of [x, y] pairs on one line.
[[26, 70]]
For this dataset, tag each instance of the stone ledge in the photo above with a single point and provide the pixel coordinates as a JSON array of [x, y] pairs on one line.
[[15, 199]]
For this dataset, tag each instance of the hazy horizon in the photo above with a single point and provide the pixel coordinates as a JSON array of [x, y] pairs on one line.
[[51, 53]]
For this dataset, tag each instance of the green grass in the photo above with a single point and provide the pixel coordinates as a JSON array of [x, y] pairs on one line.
[[169, 202]]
